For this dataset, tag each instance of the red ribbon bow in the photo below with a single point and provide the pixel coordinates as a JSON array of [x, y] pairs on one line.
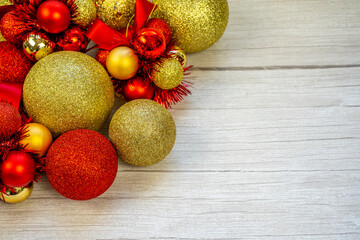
[[108, 38]]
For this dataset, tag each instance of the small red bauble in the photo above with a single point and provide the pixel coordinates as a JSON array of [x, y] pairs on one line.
[[101, 57], [18, 169], [53, 16], [10, 120], [14, 65], [150, 43], [81, 164], [73, 39], [11, 28], [160, 25], [137, 88]]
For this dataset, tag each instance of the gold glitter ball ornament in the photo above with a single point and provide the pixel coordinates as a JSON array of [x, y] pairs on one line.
[[86, 12], [196, 24], [143, 132], [116, 13], [68, 90], [20, 195], [167, 73]]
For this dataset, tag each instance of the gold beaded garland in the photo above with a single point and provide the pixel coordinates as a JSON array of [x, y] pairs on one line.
[[86, 12], [116, 13], [196, 24], [143, 132], [167, 73], [68, 90]]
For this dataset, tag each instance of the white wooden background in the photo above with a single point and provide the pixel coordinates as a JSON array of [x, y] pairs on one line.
[[268, 145]]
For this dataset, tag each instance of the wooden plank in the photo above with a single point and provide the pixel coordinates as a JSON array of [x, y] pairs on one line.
[[283, 33]]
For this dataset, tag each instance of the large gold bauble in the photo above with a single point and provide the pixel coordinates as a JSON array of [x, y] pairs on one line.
[[196, 24], [167, 73], [68, 90], [122, 63], [86, 12], [116, 13], [20, 195], [38, 139], [143, 132]]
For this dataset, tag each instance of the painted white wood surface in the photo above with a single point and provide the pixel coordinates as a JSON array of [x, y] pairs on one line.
[[268, 145]]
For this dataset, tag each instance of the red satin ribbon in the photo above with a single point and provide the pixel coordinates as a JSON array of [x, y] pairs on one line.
[[11, 93], [5, 9], [143, 9], [108, 38]]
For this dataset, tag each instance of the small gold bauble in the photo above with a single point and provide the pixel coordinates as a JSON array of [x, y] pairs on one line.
[[68, 90], [86, 12], [37, 47], [122, 63], [179, 54], [143, 132], [116, 13], [38, 138], [167, 73], [20, 195], [196, 24], [2, 39]]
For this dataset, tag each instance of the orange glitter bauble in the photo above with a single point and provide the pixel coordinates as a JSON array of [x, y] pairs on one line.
[[11, 28], [14, 65], [10, 120], [101, 57], [81, 164]]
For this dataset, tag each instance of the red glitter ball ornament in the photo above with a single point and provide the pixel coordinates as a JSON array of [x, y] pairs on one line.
[[11, 28], [81, 164], [73, 39], [160, 25], [101, 57], [53, 16], [14, 65], [150, 43], [10, 120], [137, 88], [18, 169]]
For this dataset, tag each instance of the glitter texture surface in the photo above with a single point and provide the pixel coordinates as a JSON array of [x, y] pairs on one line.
[[68, 90], [143, 132], [10, 119], [86, 12], [116, 13], [196, 24], [167, 73], [81, 164], [101, 56], [11, 28], [14, 65]]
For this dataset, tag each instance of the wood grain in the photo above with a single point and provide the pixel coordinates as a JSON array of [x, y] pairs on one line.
[[267, 146]]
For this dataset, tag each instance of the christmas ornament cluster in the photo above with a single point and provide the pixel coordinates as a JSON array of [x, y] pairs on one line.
[[54, 98]]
